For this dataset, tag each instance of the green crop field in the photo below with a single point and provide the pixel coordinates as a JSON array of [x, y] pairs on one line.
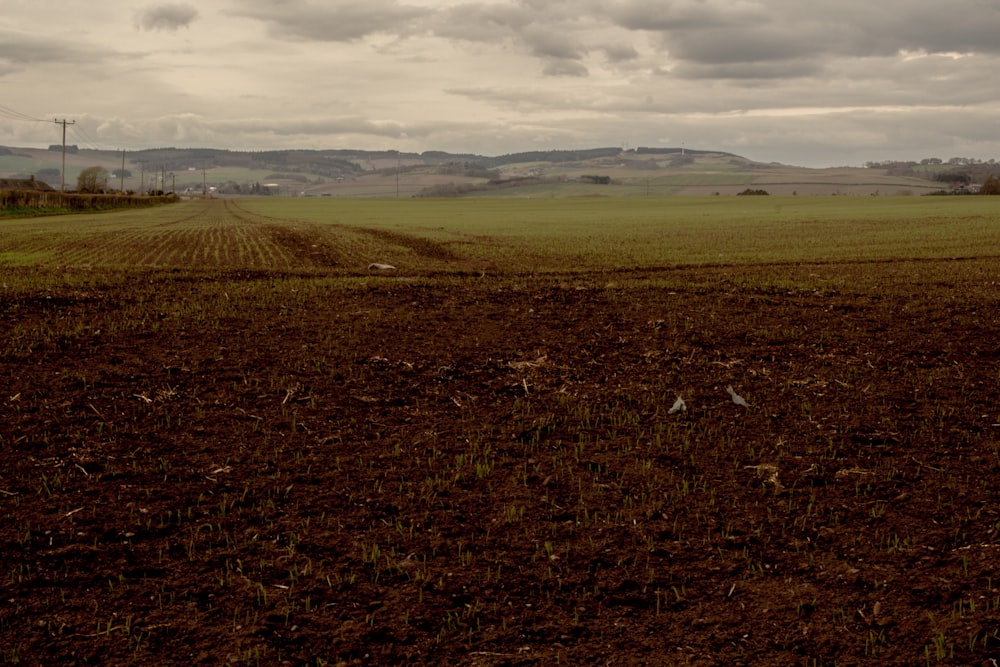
[[508, 235]]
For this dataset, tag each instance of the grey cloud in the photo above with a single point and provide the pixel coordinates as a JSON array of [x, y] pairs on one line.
[[619, 53], [738, 45], [329, 127], [549, 30], [783, 69], [169, 17], [684, 14], [565, 68], [891, 80], [957, 26], [715, 39], [542, 29], [190, 128], [525, 100], [885, 28], [480, 23], [14, 49], [344, 22], [552, 44], [530, 29], [19, 49]]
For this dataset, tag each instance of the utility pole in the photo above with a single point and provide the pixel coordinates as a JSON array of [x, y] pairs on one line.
[[142, 177], [64, 123], [122, 173]]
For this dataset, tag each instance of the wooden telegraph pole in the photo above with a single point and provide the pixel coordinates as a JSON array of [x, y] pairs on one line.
[[64, 123]]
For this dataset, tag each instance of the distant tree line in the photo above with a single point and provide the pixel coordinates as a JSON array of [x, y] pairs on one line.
[[956, 170], [459, 189], [552, 156], [643, 150], [234, 188], [304, 162], [468, 169], [298, 178]]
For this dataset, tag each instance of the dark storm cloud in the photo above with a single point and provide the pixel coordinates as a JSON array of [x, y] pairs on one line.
[[170, 17]]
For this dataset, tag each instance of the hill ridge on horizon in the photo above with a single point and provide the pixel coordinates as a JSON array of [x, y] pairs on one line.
[[602, 171]]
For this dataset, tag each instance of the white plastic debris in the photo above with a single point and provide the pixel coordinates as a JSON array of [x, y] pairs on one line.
[[679, 406], [737, 399], [381, 267]]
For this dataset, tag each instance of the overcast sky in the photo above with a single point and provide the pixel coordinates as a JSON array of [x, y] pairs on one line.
[[818, 83]]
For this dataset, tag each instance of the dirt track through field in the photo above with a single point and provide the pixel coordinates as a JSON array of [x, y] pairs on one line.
[[422, 247], [332, 244]]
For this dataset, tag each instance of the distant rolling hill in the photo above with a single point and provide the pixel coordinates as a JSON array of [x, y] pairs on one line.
[[609, 172]]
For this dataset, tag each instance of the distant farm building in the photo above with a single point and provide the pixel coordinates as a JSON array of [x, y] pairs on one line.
[[24, 184]]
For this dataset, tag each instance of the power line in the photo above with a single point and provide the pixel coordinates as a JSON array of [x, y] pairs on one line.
[[79, 132], [7, 112]]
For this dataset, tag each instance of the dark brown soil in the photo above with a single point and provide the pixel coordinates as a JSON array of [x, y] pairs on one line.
[[483, 471]]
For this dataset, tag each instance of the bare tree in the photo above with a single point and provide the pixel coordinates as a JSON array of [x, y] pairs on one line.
[[92, 179]]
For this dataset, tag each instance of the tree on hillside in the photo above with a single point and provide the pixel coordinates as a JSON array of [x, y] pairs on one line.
[[92, 179], [991, 186]]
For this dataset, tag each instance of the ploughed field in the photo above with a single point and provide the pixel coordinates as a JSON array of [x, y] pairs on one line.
[[221, 461]]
